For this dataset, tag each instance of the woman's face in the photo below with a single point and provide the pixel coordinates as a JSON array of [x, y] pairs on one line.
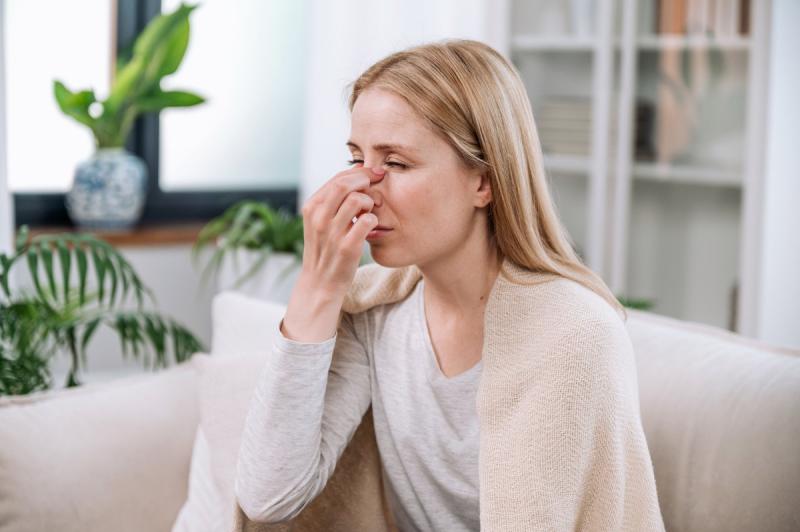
[[429, 198]]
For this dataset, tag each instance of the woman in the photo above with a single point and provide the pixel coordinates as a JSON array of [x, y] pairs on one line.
[[501, 379]]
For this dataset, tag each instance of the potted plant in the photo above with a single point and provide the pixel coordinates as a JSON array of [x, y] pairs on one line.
[[264, 248], [62, 310], [108, 190]]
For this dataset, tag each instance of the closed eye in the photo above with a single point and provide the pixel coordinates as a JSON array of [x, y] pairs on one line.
[[388, 163]]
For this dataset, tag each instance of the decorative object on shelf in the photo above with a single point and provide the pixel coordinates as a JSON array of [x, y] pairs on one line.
[[109, 190], [61, 313], [644, 148]]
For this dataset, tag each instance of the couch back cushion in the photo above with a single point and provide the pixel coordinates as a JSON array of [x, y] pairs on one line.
[[243, 325], [721, 414], [103, 456]]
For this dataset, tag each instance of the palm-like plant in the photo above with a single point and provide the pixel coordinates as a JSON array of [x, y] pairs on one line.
[[61, 315], [254, 226]]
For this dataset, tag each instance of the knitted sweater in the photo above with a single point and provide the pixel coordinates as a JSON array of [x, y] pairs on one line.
[[561, 440]]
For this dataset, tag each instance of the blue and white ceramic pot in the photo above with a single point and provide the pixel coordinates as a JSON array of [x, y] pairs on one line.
[[108, 190]]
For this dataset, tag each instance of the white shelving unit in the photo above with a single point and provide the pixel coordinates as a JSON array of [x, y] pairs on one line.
[[651, 144]]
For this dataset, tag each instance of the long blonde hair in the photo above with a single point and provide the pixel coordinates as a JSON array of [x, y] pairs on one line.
[[476, 100]]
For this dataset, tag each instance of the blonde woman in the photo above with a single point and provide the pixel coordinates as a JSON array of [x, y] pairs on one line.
[[499, 373]]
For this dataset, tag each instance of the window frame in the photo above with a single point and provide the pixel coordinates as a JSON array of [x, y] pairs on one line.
[[161, 207]]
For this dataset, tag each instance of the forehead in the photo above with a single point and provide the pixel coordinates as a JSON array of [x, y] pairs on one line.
[[381, 118]]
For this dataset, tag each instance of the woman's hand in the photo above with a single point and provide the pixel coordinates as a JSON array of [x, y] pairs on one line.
[[332, 250], [333, 244]]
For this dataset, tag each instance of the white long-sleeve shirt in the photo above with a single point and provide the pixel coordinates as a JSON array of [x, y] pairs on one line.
[[306, 409]]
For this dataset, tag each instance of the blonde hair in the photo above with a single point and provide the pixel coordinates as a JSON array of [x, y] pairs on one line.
[[476, 100]]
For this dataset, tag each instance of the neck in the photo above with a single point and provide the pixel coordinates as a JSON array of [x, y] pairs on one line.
[[457, 291]]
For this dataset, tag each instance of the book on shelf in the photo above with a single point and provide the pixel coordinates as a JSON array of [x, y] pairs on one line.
[[715, 18], [564, 125]]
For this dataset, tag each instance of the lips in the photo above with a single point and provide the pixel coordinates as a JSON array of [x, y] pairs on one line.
[[382, 228]]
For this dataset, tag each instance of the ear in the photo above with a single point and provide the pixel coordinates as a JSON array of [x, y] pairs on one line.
[[483, 194]]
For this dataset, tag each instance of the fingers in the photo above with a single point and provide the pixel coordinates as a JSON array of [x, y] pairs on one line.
[[323, 206], [355, 237], [355, 204]]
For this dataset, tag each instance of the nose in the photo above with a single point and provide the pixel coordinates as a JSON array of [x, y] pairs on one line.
[[376, 177]]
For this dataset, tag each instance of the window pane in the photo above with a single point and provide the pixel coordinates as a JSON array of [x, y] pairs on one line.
[[248, 60], [47, 40]]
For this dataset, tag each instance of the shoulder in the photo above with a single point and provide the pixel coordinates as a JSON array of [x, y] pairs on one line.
[[565, 311], [537, 290]]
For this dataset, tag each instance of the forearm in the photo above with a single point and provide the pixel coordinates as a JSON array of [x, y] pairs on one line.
[[279, 457]]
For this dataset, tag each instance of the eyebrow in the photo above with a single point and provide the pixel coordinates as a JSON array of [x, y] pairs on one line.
[[384, 147]]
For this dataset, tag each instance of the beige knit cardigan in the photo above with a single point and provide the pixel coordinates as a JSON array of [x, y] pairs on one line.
[[561, 440]]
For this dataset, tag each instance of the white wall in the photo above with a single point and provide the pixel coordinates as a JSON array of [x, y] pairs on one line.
[[6, 206], [348, 36], [779, 312]]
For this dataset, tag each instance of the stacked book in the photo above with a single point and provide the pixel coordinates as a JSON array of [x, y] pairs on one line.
[[717, 18], [565, 125]]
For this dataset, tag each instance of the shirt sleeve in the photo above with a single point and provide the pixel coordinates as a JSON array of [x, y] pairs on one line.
[[308, 403]]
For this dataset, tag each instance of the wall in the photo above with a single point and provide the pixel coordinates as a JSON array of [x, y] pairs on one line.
[[779, 312], [6, 206]]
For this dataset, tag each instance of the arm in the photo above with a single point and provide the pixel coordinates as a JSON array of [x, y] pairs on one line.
[[306, 408]]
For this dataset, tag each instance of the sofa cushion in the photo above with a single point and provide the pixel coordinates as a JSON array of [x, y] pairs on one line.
[[242, 324], [104, 456], [720, 414], [203, 511], [243, 329]]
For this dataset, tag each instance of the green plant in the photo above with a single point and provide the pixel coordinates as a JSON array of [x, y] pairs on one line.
[[157, 52], [62, 311], [638, 304], [251, 225]]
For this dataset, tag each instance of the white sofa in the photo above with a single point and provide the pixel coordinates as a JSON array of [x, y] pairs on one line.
[[721, 414]]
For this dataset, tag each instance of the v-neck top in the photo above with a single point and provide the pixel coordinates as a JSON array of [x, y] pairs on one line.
[[426, 423]]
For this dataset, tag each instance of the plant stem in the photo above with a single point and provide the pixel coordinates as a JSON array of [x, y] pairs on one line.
[[72, 376]]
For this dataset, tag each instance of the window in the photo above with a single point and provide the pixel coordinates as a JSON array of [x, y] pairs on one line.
[[71, 45], [247, 59]]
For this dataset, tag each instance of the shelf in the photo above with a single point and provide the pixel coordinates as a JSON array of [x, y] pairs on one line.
[[552, 43], [696, 175], [569, 164], [153, 235], [566, 43], [665, 42]]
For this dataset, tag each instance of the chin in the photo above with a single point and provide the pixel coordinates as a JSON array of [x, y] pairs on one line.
[[385, 259]]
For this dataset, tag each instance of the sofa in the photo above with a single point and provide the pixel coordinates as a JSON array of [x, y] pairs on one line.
[[157, 452]]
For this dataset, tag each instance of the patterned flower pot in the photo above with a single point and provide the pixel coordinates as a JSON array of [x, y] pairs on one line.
[[108, 190]]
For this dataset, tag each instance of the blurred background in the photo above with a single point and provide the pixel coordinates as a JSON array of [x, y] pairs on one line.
[[669, 129]]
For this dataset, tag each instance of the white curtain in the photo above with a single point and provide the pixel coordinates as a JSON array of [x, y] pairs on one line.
[[6, 206], [347, 36]]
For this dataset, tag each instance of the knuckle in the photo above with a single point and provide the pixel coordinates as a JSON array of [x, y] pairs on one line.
[[342, 187]]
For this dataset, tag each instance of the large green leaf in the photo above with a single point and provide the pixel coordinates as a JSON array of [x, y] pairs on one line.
[[159, 100], [75, 104], [175, 48], [163, 44], [157, 52], [125, 87]]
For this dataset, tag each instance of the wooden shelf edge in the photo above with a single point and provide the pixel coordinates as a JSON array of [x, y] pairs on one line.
[[156, 235]]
